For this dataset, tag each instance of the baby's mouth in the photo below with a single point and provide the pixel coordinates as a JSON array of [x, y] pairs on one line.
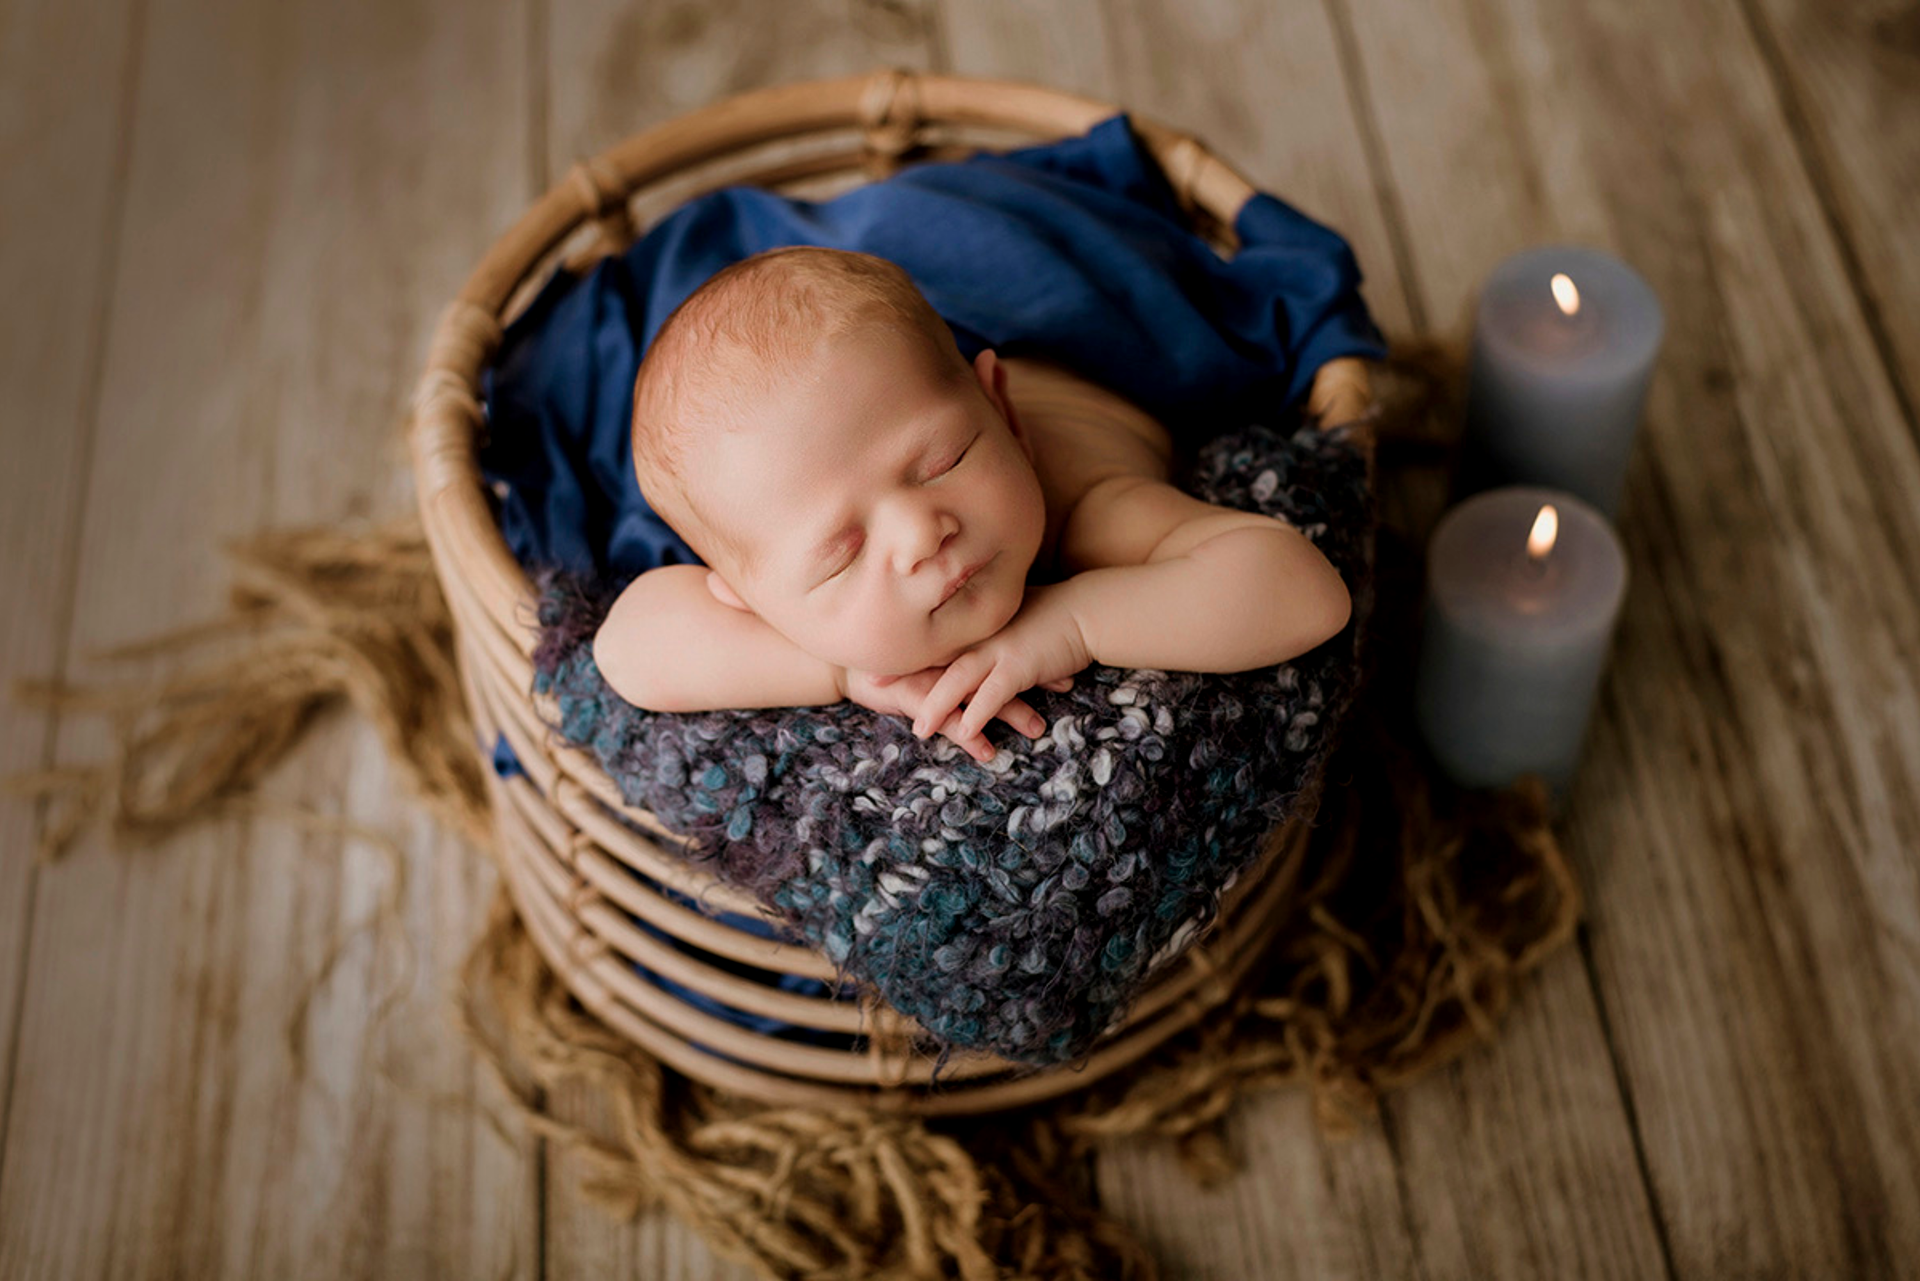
[[960, 580]]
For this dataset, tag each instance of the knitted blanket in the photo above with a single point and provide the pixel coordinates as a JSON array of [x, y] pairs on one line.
[[1012, 906]]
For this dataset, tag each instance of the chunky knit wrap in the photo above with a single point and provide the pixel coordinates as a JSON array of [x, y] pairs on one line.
[[1012, 906]]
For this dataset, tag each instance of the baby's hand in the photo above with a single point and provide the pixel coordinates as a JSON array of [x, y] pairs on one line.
[[905, 695], [1043, 646]]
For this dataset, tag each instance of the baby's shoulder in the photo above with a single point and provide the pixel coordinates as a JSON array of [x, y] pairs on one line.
[[1084, 438], [1081, 432]]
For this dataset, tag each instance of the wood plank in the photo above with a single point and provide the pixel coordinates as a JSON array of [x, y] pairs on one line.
[[1531, 1124], [1276, 102], [307, 187], [1849, 83], [614, 69], [1747, 820], [64, 92], [1299, 1204]]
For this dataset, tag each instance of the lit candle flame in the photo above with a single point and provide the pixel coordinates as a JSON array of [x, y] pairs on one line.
[[1546, 529], [1565, 293]]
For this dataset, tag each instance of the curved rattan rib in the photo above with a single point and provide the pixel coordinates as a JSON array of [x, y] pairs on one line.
[[638, 897], [580, 863]]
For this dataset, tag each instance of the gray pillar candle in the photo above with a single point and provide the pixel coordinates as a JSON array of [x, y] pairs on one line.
[[1523, 588], [1564, 342]]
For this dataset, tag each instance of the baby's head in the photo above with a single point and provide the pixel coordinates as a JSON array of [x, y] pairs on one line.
[[805, 421]]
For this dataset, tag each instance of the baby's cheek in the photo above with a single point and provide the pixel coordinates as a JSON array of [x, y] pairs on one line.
[[893, 645]]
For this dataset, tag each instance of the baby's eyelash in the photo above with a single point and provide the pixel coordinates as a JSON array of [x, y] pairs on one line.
[[846, 564], [956, 461]]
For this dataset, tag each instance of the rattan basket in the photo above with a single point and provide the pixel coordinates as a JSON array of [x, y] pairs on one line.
[[579, 875]]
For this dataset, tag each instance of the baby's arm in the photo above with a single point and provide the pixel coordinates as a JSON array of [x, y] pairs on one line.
[[1174, 583], [1183, 585], [668, 645]]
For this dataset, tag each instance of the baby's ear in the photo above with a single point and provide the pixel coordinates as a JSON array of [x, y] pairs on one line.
[[724, 593], [993, 380], [992, 375]]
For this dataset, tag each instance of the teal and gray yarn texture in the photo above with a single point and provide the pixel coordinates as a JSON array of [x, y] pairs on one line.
[[1012, 906]]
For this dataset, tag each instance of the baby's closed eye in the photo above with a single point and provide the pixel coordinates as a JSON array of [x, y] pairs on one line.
[[857, 539], [846, 562], [944, 468]]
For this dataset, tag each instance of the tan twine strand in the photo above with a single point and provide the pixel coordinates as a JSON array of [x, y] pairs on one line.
[[319, 618], [1419, 911]]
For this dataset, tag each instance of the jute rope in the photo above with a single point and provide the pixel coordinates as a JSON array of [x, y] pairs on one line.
[[1422, 908]]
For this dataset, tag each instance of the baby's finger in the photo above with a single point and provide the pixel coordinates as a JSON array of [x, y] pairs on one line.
[[995, 692], [974, 745], [1060, 686], [1023, 718], [944, 698]]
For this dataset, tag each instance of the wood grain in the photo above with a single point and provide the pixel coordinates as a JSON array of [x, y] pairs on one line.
[[1846, 77], [63, 100], [1745, 825], [307, 184]]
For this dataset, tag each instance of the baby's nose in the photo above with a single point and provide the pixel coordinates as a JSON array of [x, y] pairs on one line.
[[923, 540]]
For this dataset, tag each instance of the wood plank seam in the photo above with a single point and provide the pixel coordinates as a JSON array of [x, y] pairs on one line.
[[89, 425], [1820, 177], [1403, 1196], [1585, 945], [1386, 195]]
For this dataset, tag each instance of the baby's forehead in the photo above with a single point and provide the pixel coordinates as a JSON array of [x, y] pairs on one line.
[[767, 470]]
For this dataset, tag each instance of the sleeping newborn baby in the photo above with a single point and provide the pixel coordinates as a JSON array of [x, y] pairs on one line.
[[884, 522]]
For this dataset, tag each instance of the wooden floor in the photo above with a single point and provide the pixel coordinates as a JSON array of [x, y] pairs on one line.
[[229, 227]]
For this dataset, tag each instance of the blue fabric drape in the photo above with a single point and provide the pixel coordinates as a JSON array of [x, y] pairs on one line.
[[1074, 251]]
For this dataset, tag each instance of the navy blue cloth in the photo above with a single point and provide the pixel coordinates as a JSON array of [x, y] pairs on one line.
[[1074, 251], [506, 762]]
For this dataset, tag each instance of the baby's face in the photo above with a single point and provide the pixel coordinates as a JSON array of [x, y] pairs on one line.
[[866, 490]]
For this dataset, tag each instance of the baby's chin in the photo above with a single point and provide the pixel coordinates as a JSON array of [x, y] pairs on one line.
[[952, 648], [966, 630]]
